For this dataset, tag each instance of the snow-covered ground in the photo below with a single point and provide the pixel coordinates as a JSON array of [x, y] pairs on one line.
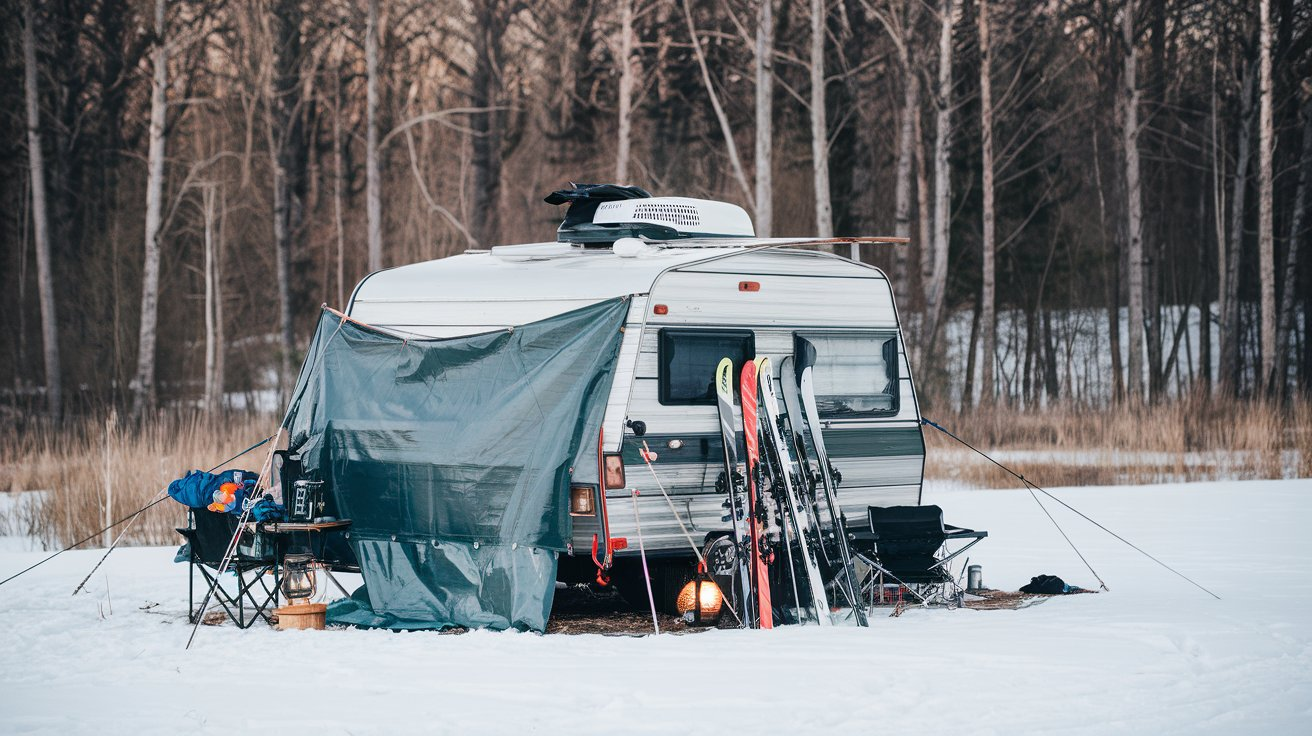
[[1154, 655]]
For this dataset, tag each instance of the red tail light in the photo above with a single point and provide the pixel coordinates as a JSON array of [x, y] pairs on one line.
[[614, 472]]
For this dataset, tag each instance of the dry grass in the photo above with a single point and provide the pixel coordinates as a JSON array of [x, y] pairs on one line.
[[77, 467], [1194, 438], [1191, 439]]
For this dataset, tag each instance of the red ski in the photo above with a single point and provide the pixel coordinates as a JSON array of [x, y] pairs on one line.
[[747, 390]]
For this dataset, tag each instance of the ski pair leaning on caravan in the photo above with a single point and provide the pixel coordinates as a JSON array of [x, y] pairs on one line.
[[775, 497]]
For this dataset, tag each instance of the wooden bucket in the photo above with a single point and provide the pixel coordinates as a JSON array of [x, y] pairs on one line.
[[303, 616]]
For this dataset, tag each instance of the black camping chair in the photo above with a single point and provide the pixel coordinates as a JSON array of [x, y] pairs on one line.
[[208, 535], [907, 547]]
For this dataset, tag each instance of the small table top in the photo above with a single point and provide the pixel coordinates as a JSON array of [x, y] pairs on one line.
[[280, 527]]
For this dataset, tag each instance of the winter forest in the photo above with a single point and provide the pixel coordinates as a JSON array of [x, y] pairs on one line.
[[1106, 199]]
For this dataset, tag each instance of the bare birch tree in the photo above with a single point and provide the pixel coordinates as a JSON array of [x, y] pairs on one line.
[[1129, 103], [40, 218], [373, 177], [1265, 227], [1229, 322], [624, 133], [143, 385], [988, 321], [763, 66], [287, 146], [936, 288], [1297, 222], [824, 208], [904, 38], [213, 390]]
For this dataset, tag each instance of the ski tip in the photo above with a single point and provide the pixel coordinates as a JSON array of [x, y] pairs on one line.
[[724, 377]]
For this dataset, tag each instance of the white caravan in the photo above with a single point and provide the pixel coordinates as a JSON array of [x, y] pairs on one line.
[[701, 289]]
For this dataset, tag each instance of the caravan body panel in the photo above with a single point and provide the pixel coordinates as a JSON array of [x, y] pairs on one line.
[[772, 295]]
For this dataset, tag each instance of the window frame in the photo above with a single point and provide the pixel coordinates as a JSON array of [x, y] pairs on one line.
[[889, 337], [665, 342]]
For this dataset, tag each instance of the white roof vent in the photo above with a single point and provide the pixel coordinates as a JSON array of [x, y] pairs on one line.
[[600, 214], [684, 217]]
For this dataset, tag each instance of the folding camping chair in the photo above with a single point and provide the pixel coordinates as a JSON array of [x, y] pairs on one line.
[[208, 535], [907, 548]]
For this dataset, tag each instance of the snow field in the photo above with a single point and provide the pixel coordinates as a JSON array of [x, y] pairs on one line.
[[1154, 655]]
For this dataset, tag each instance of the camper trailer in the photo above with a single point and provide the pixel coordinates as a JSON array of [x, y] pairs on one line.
[[701, 286]]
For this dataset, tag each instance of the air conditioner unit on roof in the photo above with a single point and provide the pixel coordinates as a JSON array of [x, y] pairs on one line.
[[601, 214]]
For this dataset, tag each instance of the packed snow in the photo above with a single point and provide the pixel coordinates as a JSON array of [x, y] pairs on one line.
[[1153, 655]]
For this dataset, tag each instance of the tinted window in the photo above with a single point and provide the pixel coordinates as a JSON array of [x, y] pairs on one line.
[[855, 373], [689, 358]]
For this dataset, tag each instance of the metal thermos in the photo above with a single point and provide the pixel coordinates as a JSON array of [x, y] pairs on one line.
[[974, 577]]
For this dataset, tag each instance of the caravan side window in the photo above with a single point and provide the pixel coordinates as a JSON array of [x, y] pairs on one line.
[[855, 373], [688, 359]]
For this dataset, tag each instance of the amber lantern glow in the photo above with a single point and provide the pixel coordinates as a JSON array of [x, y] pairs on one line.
[[700, 601]]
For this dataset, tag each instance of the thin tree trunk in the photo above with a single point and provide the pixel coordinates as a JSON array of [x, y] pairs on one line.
[[1112, 281], [208, 212], [1204, 310], [373, 177], [936, 294], [987, 288], [220, 335], [734, 161], [764, 68], [924, 216], [143, 386], [1051, 386], [1231, 327], [1289, 281], [288, 145], [905, 155], [625, 93], [1218, 212], [339, 180], [40, 221], [968, 392], [489, 127], [824, 208], [1133, 201], [1266, 244]]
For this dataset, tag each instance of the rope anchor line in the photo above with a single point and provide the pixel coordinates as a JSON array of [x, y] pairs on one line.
[[1032, 487], [129, 517]]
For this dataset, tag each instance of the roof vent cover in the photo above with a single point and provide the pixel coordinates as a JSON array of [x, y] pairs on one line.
[[601, 214], [678, 215]]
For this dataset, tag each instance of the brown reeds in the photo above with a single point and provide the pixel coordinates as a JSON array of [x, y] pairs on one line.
[[76, 468], [79, 477], [1195, 437]]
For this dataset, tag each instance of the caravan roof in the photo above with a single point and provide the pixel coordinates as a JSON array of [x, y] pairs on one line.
[[516, 284]]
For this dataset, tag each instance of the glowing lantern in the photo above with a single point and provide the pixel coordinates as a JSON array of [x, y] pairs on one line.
[[700, 600]]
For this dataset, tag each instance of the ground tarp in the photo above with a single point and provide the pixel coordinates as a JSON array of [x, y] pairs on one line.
[[453, 460]]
